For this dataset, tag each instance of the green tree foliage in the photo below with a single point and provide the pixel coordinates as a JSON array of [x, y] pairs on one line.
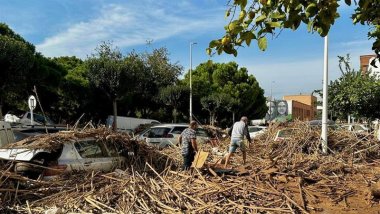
[[74, 90], [255, 20], [106, 70], [241, 92], [151, 72], [213, 103], [69, 86], [46, 75], [16, 59], [355, 94], [174, 96]]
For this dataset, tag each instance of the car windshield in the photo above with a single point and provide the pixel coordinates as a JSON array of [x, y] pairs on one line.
[[178, 129], [40, 118]]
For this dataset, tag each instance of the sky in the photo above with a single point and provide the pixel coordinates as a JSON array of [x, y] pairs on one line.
[[292, 64]]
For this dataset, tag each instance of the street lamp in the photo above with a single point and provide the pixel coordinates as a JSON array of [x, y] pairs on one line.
[[191, 89], [270, 101], [325, 94]]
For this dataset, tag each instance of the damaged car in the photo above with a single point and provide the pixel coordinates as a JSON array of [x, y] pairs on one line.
[[35, 157]]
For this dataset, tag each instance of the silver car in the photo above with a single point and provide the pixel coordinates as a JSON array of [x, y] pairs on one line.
[[165, 135], [84, 154]]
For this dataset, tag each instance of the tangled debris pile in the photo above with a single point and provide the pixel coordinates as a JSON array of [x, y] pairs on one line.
[[283, 177]]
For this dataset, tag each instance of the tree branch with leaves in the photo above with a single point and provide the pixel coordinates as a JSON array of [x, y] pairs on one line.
[[257, 19]]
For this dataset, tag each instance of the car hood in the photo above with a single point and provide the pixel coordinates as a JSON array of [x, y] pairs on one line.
[[20, 154]]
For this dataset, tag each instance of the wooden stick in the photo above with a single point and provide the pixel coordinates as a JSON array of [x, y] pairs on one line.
[[175, 193], [294, 203], [29, 210], [301, 193]]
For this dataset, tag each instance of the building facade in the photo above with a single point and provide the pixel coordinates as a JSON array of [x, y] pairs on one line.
[[369, 63], [302, 107]]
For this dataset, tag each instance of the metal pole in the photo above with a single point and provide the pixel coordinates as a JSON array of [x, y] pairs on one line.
[[31, 117], [325, 95], [191, 89], [270, 101]]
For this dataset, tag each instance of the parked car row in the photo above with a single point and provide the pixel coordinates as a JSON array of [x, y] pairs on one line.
[[83, 154], [86, 154]]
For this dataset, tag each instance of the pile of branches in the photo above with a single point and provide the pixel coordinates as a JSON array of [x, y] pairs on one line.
[[290, 176]]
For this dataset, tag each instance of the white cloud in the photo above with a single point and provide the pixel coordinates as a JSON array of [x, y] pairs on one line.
[[128, 25], [356, 43]]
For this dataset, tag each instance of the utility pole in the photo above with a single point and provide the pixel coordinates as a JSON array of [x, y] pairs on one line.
[[191, 89], [325, 95]]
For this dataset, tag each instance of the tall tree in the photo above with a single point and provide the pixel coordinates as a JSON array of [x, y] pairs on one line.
[[257, 19], [46, 75], [214, 103], [354, 93], [174, 96], [152, 72], [74, 91], [227, 78], [106, 69], [16, 59]]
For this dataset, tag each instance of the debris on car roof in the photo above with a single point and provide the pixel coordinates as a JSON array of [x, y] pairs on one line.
[[279, 177], [54, 140]]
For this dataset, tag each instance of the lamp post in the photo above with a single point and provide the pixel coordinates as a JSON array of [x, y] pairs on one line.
[[191, 89], [325, 95], [270, 101], [32, 106]]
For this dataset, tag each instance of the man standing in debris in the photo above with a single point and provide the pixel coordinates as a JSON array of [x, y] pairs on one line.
[[239, 130], [188, 139]]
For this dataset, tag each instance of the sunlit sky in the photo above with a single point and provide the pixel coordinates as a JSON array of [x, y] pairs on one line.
[[292, 64]]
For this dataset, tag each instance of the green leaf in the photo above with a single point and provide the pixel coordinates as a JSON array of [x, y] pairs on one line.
[[220, 50], [233, 25], [277, 15], [214, 43], [275, 24], [310, 26], [247, 36], [260, 18], [242, 15], [228, 12], [299, 7], [243, 3], [262, 42], [234, 52], [208, 51]]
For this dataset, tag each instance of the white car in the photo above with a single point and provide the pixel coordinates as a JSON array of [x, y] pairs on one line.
[[255, 131], [357, 128], [165, 135], [285, 134], [6, 134], [84, 154]]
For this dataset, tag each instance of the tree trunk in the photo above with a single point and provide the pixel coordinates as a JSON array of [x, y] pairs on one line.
[[175, 115], [213, 119], [114, 104]]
